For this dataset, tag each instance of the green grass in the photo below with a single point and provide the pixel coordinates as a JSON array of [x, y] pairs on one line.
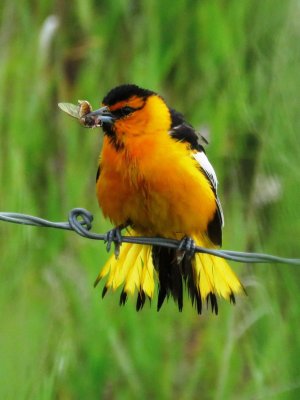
[[232, 66]]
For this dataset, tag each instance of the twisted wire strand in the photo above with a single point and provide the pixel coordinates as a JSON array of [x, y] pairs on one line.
[[80, 221]]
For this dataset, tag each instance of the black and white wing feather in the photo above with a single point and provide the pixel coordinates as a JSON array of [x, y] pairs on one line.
[[212, 177], [184, 132]]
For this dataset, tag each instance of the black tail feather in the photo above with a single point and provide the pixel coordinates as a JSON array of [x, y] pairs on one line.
[[104, 291], [160, 257], [193, 291], [140, 301], [123, 298], [213, 301], [169, 274], [162, 293], [232, 298], [176, 283]]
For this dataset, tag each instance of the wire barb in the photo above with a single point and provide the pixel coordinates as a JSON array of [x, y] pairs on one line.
[[80, 221], [83, 225]]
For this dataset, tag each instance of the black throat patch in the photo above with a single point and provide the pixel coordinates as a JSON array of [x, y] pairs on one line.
[[110, 132]]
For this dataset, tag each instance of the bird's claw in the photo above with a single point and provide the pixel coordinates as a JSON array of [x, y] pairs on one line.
[[186, 247], [114, 236]]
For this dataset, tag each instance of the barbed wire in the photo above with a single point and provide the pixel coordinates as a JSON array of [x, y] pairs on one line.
[[80, 221]]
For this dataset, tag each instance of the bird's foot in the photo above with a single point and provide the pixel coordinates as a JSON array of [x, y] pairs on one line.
[[186, 247], [114, 236]]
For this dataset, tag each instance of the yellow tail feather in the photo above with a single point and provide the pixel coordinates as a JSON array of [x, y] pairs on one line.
[[134, 270]]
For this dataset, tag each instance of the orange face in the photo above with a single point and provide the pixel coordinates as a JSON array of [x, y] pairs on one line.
[[137, 116]]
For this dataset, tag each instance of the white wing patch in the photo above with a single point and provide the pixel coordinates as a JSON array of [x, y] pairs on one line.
[[207, 167], [201, 158]]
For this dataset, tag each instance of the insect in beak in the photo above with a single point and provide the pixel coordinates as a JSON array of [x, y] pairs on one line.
[[86, 116]]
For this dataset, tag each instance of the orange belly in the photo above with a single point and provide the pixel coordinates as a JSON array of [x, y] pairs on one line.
[[157, 185]]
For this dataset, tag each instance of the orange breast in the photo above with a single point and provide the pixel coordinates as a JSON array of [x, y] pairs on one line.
[[156, 184]]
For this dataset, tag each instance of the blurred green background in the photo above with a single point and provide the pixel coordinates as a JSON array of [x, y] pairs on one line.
[[233, 68]]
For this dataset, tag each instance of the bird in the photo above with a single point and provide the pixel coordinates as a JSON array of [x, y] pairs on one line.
[[154, 179]]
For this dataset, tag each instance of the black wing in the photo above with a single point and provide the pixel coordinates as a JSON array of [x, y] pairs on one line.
[[184, 132]]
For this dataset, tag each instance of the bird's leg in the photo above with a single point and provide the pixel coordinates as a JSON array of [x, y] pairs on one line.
[[114, 236], [186, 247]]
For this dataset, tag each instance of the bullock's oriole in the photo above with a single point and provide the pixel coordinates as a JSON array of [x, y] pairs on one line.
[[154, 177]]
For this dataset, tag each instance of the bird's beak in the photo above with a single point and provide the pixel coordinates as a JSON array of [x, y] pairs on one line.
[[98, 117]]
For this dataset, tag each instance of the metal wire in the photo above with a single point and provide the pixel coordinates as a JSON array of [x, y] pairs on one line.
[[80, 221]]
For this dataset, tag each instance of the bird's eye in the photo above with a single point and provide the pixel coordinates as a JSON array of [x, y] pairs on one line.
[[123, 112], [127, 110]]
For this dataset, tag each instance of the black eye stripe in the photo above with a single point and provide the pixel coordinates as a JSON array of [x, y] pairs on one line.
[[127, 110], [124, 111]]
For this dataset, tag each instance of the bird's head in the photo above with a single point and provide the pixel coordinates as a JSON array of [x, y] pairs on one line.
[[129, 110]]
